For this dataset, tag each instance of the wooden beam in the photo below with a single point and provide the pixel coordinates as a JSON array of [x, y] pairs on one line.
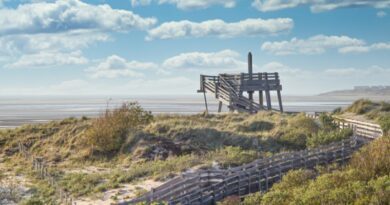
[[267, 93], [280, 101], [261, 99], [205, 102], [220, 106]]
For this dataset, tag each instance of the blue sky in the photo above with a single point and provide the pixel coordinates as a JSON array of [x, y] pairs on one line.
[[148, 47]]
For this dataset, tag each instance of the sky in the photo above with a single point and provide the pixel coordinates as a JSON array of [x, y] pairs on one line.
[[160, 47]]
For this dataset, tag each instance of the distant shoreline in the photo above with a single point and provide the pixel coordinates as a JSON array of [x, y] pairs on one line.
[[15, 112]]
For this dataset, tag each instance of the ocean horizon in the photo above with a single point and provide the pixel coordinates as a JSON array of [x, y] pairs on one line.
[[16, 111]]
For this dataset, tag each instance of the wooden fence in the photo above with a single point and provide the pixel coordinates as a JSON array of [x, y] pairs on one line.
[[43, 171], [361, 129], [209, 186]]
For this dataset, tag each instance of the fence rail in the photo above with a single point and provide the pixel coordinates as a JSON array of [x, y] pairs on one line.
[[43, 171], [259, 175]]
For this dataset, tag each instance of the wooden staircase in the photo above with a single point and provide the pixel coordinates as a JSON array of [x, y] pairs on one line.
[[226, 89]]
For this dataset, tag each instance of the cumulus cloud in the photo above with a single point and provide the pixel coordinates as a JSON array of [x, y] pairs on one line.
[[317, 5], [69, 41], [220, 28], [65, 15], [115, 66], [48, 59], [364, 49], [222, 60], [135, 3], [313, 45], [188, 4], [63, 26]]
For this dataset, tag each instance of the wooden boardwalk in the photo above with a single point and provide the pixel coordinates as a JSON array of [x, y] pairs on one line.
[[209, 186]]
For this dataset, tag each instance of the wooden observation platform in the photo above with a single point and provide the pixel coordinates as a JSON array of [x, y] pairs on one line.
[[229, 89]]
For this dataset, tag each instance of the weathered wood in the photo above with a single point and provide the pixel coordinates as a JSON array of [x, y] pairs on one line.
[[229, 89]]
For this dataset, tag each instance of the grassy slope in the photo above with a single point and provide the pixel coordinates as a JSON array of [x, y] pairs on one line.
[[156, 148]]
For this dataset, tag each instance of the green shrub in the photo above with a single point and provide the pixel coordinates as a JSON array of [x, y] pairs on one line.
[[361, 106], [230, 200], [325, 137], [294, 139], [233, 156], [373, 160], [256, 126], [327, 122], [384, 122], [304, 124], [108, 132], [337, 110], [252, 199]]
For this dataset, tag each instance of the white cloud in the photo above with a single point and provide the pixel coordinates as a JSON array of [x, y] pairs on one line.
[[69, 41], [66, 15], [63, 26], [48, 59], [313, 45], [199, 4], [115, 66], [135, 3], [364, 49], [222, 60], [354, 72], [220, 28], [317, 5], [188, 4]]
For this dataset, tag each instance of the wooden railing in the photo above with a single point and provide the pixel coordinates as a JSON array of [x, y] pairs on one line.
[[253, 177], [227, 92], [361, 129]]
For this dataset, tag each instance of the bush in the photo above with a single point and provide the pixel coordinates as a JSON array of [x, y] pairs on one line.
[[324, 137], [230, 200], [108, 132], [233, 156], [294, 139], [304, 124], [361, 106], [253, 199], [327, 122], [384, 122], [256, 126], [284, 191], [373, 160]]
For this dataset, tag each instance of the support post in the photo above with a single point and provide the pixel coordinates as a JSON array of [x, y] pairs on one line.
[[250, 72], [280, 101], [267, 93], [220, 106], [205, 102]]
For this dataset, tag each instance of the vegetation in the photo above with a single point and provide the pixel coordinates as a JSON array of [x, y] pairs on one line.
[[140, 146], [365, 181], [377, 111], [108, 133]]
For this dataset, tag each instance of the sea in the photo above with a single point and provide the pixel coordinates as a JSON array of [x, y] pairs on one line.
[[18, 110]]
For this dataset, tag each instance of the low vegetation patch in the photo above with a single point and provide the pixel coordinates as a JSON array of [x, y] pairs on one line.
[[365, 181]]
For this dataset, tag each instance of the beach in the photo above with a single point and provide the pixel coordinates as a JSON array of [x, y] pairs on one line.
[[16, 111]]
